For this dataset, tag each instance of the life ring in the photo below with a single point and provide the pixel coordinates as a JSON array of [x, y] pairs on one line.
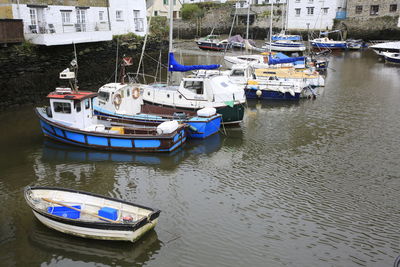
[[135, 93], [117, 100]]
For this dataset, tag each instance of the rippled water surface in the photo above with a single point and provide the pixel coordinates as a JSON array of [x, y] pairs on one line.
[[313, 183]]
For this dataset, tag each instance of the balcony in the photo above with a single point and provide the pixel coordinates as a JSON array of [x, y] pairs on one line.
[[67, 33], [341, 15]]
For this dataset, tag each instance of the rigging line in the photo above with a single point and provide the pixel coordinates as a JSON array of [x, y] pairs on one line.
[[230, 33], [145, 41], [155, 60]]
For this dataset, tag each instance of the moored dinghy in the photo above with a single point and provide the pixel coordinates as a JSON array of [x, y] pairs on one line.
[[89, 215]]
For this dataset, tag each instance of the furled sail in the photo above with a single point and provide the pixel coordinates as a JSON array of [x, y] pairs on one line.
[[273, 61], [286, 37], [175, 66]]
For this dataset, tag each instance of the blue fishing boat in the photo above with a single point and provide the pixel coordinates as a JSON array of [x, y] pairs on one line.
[[70, 119]]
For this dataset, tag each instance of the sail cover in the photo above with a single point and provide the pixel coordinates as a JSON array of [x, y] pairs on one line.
[[286, 37], [273, 61], [175, 66]]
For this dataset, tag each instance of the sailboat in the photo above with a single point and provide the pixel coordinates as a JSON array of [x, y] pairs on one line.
[[194, 93], [283, 42]]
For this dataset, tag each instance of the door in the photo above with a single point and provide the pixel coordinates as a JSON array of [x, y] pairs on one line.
[[81, 19]]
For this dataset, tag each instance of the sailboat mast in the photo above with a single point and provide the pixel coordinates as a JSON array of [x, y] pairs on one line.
[[248, 20], [270, 27], [171, 31]]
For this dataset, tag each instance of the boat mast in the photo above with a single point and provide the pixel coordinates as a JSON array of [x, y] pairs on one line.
[[248, 20], [270, 27], [171, 30]]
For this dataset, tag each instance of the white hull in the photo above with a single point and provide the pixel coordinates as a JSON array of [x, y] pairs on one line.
[[96, 233], [276, 48]]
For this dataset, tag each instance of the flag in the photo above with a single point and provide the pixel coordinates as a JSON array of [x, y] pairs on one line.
[[128, 61]]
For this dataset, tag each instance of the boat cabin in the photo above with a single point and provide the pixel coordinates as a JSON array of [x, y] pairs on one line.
[[73, 108], [119, 98]]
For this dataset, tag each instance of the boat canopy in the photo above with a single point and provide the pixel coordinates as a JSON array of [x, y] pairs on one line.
[[175, 66], [274, 61], [286, 37]]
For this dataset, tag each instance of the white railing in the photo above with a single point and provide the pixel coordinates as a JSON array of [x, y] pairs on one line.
[[50, 28]]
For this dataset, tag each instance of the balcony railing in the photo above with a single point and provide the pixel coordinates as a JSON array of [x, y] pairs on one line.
[[51, 28]]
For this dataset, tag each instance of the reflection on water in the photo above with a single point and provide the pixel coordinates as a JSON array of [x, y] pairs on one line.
[[63, 249], [307, 183]]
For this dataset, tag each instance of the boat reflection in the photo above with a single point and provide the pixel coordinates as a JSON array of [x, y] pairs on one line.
[[61, 246], [54, 151]]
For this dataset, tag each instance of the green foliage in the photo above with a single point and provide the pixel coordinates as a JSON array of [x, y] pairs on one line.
[[159, 27], [25, 47], [129, 37], [191, 11]]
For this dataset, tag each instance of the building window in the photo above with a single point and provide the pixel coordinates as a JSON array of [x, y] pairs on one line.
[[393, 8], [155, 13], [139, 24], [374, 10], [32, 13], [101, 15], [325, 10], [310, 10], [118, 15], [359, 9], [66, 17], [165, 2], [298, 11], [310, 1]]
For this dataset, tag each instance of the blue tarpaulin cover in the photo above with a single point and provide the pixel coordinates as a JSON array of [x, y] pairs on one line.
[[175, 66], [273, 61]]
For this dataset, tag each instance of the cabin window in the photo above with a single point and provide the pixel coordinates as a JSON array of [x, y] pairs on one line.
[[224, 84], [104, 96], [61, 107], [238, 73], [128, 94], [194, 86], [87, 104], [77, 105]]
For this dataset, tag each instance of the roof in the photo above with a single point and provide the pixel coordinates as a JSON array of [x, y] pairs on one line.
[[80, 95]]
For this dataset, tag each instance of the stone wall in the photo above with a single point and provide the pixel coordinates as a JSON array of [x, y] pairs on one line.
[[29, 73], [380, 28], [361, 9]]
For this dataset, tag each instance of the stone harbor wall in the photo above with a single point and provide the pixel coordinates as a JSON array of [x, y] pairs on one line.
[[380, 28], [28, 73]]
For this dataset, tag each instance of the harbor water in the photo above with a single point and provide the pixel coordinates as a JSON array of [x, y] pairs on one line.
[[308, 183]]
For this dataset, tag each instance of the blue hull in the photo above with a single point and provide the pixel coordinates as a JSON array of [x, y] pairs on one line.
[[392, 60], [199, 128], [270, 95], [330, 46], [111, 142]]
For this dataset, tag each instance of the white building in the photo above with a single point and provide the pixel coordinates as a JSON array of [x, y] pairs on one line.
[[46, 24], [313, 14]]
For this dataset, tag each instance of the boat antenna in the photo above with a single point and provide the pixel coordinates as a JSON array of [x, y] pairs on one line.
[[116, 64]]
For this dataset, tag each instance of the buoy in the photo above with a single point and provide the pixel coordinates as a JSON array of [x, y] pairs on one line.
[[258, 93]]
